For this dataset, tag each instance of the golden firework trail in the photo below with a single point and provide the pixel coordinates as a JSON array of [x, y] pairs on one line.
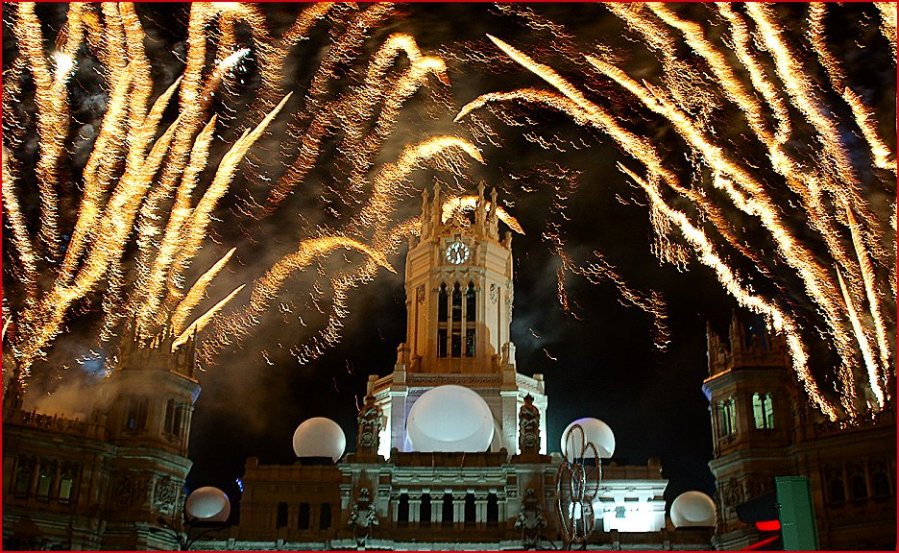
[[149, 199], [845, 278], [463, 204]]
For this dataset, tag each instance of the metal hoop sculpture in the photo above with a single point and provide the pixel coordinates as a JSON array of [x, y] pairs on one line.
[[577, 520]]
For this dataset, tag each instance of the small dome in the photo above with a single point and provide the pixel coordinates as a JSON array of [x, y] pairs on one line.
[[319, 437], [208, 504], [596, 432], [450, 418], [693, 509]]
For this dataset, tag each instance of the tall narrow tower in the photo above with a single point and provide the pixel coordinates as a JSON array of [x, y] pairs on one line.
[[459, 297], [153, 391]]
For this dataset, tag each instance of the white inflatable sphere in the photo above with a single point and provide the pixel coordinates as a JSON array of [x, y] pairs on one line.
[[450, 418], [693, 509], [208, 504], [319, 437], [595, 431]]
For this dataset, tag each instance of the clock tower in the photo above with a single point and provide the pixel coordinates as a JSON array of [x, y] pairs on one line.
[[459, 293]]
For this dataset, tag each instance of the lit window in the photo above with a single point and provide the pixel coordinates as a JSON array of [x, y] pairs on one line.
[[728, 416], [763, 410], [44, 480], [66, 485]]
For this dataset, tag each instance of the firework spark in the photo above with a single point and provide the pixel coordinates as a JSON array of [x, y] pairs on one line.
[[836, 253]]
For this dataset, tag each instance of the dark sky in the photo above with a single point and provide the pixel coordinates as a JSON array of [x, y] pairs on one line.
[[598, 359]]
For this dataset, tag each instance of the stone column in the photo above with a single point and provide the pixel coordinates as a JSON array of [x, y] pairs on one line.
[[458, 511], [414, 511], [480, 502]]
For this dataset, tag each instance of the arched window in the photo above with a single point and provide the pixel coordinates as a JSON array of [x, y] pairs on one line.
[[447, 510], [492, 510], [324, 521], [442, 308], [169, 415], [424, 513], [66, 486], [45, 480], [763, 411], [136, 419], [456, 331], [281, 515], [402, 510], [470, 510], [442, 304], [470, 318], [858, 488], [23, 478], [880, 479], [727, 413], [836, 491], [303, 519]]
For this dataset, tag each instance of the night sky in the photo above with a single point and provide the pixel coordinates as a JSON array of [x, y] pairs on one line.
[[598, 357]]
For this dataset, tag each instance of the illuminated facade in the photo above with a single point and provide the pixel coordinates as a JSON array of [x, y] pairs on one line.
[[763, 427], [388, 495]]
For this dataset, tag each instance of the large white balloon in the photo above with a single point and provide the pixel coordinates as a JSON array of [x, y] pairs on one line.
[[595, 431], [693, 509], [450, 418], [208, 504], [319, 437]]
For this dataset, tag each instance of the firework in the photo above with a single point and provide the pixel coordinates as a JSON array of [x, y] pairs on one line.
[[837, 253], [147, 211]]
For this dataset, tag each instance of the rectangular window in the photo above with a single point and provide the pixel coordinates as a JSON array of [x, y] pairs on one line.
[[441, 342], [23, 479], [424, 512], [769, 411], [44, 480], [281, 516], [470, 342], [304, 517], [138, 409], [324, 521], [169, 415], [763, 411], [456, 343], [65, 488]]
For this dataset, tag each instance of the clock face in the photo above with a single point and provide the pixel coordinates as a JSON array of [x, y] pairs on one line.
[[457, 253]]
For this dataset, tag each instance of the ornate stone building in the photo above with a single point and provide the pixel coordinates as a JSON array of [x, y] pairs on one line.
[[388, 495], [102, 483], [763, 427]]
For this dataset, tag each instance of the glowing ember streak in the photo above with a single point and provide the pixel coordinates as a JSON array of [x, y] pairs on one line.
[[864, 345], [20, 236], [266, 288], [469, 203], [778, 320], [197, 292], [198, 325]]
